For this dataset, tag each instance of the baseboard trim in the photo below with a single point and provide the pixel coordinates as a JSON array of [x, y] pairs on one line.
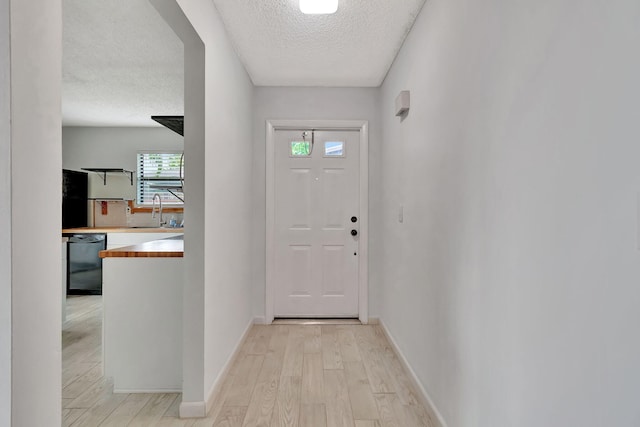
[[259, 320], [422, 393], [217, 384], [374, 320], [150, 391], [201, 409], [193, 410]]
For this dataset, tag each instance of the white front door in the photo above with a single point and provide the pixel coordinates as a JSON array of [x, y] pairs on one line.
[[316, 223]]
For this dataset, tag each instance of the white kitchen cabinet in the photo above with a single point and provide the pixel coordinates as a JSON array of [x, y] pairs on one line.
[[142, 328], [119, 240]]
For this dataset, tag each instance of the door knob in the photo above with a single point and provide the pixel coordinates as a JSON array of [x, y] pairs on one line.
[[354, 219], [354, 232]]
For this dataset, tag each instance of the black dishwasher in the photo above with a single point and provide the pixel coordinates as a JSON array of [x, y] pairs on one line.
[[84, 265]]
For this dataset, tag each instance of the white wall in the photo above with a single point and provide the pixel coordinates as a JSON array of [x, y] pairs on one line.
[[218, 294], [113, 146], [36, 179], [512, 286], [271, 103], [228, 195], [5, 214]]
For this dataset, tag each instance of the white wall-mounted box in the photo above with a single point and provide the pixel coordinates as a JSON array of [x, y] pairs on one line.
[[402, 103]]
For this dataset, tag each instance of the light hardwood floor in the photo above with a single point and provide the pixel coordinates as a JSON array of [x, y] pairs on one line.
[[284, 375]]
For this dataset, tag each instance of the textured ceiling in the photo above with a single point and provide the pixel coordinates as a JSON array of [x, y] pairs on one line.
[[121, 64], [280, 46]]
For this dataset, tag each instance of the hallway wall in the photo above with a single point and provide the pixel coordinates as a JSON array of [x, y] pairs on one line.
[[219, 171], [36, 178], [296, 103], [5, 213], [512, 285]]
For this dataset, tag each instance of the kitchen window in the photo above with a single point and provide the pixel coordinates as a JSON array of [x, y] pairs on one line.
[[160, 173]]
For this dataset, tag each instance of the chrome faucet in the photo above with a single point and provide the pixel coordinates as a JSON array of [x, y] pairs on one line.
[[153, 209]]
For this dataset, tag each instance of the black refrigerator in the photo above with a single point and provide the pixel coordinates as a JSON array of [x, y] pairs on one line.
[[75, 187]]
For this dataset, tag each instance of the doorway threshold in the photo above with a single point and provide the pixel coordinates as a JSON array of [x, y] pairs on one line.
[[291, 321]]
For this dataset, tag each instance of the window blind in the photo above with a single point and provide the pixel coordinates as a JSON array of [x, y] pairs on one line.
[[155, 171]]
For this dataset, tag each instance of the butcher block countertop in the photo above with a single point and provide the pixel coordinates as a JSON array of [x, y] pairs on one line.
[[123, 230], [154, 249]]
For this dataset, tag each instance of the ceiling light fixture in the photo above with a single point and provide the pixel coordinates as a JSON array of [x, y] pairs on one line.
[[318, 7]]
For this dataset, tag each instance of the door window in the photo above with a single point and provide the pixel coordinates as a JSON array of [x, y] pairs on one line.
[[334, 149], [300, 149]]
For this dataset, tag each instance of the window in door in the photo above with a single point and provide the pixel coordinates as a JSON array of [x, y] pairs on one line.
[[334, 149], [300, 149]]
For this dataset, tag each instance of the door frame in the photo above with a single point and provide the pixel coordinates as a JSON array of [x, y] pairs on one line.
[[363, 263]]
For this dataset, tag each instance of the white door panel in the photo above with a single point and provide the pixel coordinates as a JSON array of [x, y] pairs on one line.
[[316, 195]]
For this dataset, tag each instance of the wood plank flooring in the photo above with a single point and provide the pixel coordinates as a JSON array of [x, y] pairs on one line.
[[284, 375], [87, 397]]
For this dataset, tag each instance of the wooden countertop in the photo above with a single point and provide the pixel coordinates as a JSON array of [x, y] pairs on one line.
[[88, 230], [153, 249]]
